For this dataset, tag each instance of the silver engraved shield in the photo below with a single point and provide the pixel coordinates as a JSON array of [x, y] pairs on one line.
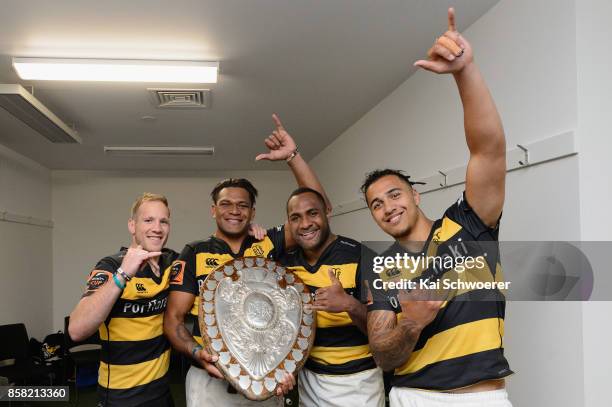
[[252, 316]]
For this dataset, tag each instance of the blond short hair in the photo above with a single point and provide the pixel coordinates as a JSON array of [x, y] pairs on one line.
[[149, 197]]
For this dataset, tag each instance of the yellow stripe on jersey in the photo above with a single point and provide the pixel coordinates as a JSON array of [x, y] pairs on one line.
[[337, 355], [151, 289], [260, 249], [462, 340], [344, 272], [207, 262], [196, 305], [328, 319], [128, 376], [448, 229], [133, 329]]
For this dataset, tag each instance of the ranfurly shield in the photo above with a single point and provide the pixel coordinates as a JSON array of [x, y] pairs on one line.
[[252, 316]]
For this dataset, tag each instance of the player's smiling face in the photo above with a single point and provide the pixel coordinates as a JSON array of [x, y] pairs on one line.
[[393, 204], [150, 226], [308, 222], [233, 211]]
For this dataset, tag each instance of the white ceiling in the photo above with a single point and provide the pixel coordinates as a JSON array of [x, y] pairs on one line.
[[320, 64]]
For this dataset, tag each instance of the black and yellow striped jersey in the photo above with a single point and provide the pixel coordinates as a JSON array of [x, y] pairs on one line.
[[201, 257], [135, 354], [463, 345], [339, 346]]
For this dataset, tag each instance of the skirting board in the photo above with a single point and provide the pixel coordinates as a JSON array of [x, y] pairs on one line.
[[538, 152]]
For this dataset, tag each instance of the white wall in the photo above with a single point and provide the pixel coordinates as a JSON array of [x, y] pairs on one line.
[[594, 106], [25, 250], [527, 52], [91, 209], [547, 66], [419, 126]]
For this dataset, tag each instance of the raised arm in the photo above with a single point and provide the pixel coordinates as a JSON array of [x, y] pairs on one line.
[[283, 147], [102, 293], [484, 133]]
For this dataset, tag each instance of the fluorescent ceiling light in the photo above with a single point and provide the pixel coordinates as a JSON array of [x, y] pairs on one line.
[[157, 151], [25, 107], [119, 70]]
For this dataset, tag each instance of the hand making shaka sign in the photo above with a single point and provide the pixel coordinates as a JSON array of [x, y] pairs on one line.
[[450, 53]]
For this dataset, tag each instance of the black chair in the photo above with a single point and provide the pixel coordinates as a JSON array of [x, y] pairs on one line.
[[77, 354], [16, 362]]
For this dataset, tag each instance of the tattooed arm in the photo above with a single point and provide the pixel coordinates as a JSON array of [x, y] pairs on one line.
[[392, 339], [179, 304]]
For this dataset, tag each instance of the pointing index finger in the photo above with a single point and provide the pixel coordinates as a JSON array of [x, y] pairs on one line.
[[277, 121], [451, 20]]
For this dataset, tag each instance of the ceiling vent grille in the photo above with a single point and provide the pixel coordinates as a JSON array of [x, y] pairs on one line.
[[180, 98]]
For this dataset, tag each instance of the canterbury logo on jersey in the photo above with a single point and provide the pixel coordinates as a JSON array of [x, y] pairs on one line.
[[140, 287], [207, 262], [212, 262]]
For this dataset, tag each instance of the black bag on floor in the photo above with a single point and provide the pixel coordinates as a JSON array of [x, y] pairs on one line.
[[51, 347]]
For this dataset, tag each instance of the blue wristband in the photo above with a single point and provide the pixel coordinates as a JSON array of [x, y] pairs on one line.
[[195, 349], [117, 282]]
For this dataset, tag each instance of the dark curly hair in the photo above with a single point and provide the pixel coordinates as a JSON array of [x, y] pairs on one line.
[[235, 183], [375, 175]]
